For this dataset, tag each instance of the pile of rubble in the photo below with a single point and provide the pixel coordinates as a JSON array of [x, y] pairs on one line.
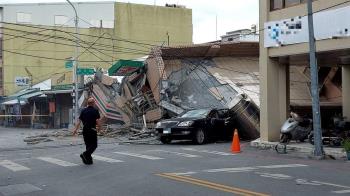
[[121, 134]]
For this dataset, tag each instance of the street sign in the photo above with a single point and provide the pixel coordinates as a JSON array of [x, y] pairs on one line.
[[85, 71], [68, 64], [22, 81]]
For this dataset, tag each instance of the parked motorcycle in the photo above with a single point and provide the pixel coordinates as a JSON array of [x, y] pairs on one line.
[[295, 128], [336, 135]]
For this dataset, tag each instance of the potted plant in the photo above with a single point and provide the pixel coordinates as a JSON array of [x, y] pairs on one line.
[[346, 146]]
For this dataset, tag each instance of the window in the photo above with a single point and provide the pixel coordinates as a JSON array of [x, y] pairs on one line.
[[24, 17], [230, 39], [108, 24], [277, 4], [61, 20], [280, 4]]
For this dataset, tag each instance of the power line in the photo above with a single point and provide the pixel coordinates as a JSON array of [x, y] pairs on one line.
[[65, 39], [81, 34]]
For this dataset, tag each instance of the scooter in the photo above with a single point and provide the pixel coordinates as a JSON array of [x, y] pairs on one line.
[[336, 135], [295, 128]]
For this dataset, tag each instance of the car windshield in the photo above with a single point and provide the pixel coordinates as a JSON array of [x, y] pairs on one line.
[[196, 113]]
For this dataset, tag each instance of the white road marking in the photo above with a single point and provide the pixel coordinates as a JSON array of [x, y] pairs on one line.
[[106, 159], [275, 176], [306, 182], [282, 166], [247, 169], [237, 169], [209, 152], [341, 192], [139, 155], [13, 166], [331, 184], [183, 174], [57, 161], [177, 153]]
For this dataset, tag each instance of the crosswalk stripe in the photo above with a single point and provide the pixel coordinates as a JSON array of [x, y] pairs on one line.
[[209, 152], [13, 166], [57, 161], [138, 155], [106, 159], [282, 166], [176, 153], [342, 192]]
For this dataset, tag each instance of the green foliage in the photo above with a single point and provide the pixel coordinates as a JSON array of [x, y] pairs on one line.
[[346, 145]]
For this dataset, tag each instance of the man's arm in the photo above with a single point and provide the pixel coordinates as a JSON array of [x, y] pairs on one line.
[[98, 125], [77, 127]]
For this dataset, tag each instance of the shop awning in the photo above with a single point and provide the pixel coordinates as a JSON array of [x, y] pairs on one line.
[[22, 97], [125, 67], [13, 102]]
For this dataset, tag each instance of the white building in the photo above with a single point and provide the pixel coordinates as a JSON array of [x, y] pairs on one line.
[[242, 35]]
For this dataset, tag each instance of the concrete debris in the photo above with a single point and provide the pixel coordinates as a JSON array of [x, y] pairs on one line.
[[36, 139], [47, 137]]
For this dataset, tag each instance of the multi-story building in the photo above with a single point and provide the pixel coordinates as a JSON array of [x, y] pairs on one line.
[[284, 43], [242, 35], [40, 38], [37, 43]]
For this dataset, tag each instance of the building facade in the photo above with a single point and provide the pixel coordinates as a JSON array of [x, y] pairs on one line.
[[243, 35], [38, 40], [284, 43]]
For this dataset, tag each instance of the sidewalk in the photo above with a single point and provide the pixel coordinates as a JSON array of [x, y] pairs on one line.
[[304, 147]]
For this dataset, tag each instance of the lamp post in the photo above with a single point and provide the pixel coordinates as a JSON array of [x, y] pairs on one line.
[[75, 67]]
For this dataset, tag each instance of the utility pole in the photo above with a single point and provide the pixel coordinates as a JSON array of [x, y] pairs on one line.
[[75, 67], [167, 33], [318, 151], [216, 27]]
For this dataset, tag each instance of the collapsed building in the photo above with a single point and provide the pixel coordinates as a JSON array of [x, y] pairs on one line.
[[171, 81]]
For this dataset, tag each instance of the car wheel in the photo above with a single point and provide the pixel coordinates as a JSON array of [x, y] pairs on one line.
[[200, 137], [165, 140]]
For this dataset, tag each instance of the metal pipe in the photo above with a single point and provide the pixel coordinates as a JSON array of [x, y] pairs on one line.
[[75, 67], [318, 151]]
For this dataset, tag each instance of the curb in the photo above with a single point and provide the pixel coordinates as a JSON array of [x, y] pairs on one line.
[[262, 145]]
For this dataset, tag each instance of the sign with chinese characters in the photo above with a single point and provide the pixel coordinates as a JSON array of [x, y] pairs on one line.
[[329, 24], [85, 71], [68, 64], [22, 81]]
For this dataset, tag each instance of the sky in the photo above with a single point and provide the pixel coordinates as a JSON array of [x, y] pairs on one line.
[[211, 18]]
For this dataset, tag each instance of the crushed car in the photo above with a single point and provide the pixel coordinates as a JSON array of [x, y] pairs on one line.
[[200, 126]]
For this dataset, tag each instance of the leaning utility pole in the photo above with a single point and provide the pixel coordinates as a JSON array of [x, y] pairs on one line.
[[318, 151], [75, 67]]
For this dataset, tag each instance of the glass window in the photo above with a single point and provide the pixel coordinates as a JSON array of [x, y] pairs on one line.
[[280, 4], [276, 4], [24, 17], [61, 20], [108, 24], [196, 113]]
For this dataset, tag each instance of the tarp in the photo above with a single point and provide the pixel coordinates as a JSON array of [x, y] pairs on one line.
[[125, 67]]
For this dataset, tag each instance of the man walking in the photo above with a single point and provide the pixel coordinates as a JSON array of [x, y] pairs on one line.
[[90, 118]]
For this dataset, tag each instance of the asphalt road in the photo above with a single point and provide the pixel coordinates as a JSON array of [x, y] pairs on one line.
[[176, 169]]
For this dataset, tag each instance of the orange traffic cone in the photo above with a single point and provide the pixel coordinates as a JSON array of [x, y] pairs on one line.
[[235, 147]]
